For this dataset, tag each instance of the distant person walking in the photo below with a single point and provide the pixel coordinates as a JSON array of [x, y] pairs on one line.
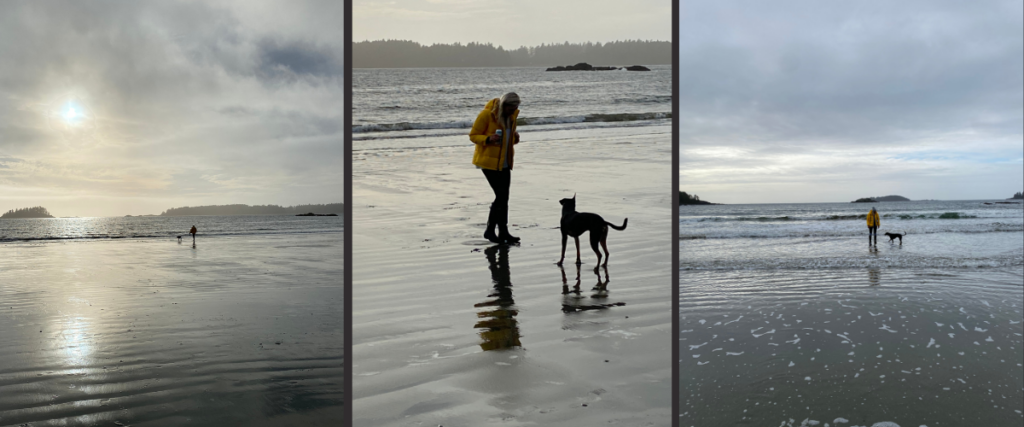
[[495, 136], [193, 233], [873, 223]]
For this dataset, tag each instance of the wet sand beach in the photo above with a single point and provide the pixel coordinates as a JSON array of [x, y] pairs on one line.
[[452, 330], [789, 318], [242, 330]]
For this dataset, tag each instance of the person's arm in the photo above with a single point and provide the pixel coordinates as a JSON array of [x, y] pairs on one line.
[[478, 133]]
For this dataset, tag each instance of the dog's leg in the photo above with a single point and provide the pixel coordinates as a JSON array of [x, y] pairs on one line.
[[595, 239], [578, 261], [562, 258], [604, 245]]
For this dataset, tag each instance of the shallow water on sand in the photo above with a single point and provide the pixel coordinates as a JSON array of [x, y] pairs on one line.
[[237, 331]]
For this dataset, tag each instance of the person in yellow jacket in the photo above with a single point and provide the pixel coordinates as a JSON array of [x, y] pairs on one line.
[[873, 223], [494, 134]]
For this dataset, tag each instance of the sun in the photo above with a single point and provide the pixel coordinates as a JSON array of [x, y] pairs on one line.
[[72, 114]]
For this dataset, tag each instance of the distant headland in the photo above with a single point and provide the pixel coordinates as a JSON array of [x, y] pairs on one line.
[[892, 198], [226, 210], [36, 212], [410, 54], [686, 199], [1017, 196]]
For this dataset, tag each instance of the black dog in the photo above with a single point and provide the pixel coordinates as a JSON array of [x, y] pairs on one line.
[[894, 236], [576, 223]]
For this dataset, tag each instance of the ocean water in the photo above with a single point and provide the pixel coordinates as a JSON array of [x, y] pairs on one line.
[[141, 227], [391, 104], [789, 317]]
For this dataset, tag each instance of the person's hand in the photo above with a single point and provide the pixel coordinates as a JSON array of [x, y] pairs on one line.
[[494, 138]]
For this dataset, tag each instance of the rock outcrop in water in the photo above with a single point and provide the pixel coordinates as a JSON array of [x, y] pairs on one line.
[[583, 66], [36, 212], [686, 199], [892, 198]]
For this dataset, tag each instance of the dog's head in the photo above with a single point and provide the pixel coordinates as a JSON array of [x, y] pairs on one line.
[[569, 203]]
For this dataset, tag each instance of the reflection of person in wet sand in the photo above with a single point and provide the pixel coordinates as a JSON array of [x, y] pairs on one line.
[[495, 136], [572, 300], [499, 327], [193, 233]]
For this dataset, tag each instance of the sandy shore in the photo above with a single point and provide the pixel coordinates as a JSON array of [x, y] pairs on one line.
[[238, 331], [910, 346], [451, 330]]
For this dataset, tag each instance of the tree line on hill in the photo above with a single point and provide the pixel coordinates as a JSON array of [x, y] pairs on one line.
[[686, 199], [335, 208], [410, 54], [34, 212]]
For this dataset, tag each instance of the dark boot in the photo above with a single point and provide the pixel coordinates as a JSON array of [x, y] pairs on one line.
[[489, 231], [503, 233]]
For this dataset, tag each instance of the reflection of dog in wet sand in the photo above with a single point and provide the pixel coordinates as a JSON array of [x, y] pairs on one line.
[[894, 236], [576, 223]]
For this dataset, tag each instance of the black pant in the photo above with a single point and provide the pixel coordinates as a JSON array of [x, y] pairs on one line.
[[500, 182], [873, 231]]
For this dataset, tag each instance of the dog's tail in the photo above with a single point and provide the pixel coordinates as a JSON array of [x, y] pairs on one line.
[[617, 227]]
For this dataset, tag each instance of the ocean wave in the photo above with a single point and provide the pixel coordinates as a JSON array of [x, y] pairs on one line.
[[467, 124], [848, 217], [795, 234]]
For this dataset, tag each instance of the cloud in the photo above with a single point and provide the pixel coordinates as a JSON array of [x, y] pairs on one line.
[[247, 94], [871, 89]]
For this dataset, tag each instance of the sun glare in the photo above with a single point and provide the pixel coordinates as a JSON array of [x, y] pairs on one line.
[[71, 114]]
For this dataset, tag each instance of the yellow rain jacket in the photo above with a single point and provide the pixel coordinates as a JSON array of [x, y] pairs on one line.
[[873, 220], [492, 156]]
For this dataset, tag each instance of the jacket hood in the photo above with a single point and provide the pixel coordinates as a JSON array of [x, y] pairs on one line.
[[494, 106]]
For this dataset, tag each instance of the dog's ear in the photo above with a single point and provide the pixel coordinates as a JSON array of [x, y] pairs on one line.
[[574, 196]]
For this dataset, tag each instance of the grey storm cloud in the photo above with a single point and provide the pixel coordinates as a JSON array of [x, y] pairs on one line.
[[114, 107], [921, 85]]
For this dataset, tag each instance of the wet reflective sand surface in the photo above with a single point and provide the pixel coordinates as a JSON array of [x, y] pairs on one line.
[[238, 331], [452, 330], [852, 347]]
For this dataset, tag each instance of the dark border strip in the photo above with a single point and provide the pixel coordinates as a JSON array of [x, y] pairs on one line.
[[347, 172], [676, 407]]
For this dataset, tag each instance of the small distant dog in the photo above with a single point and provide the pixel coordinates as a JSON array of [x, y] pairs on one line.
[[576, 223], [893, 236], [179, 239]]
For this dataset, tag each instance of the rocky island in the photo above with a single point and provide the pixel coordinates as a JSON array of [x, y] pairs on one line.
[[1017, 196], [892, 198], [686, 199], [36, 212], [583, 66]]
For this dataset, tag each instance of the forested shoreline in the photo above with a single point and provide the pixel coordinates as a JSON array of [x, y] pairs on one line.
[[410, 54]]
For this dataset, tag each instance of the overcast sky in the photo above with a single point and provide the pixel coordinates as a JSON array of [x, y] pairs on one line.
[[809, 101], [511, 24], [114, 108]]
